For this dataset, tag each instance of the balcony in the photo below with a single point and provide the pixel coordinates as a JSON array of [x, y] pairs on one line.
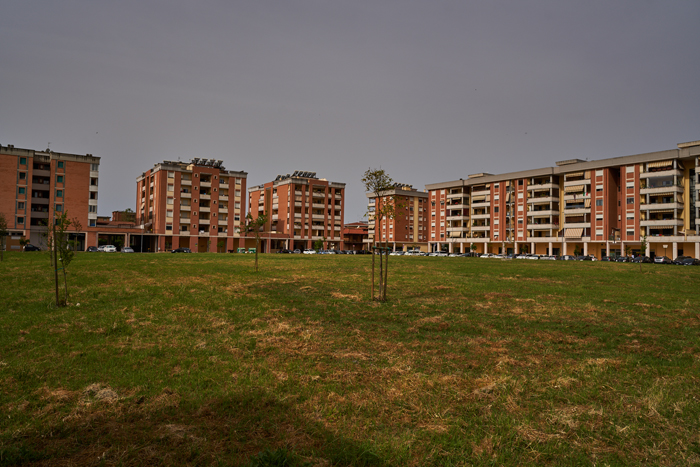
[[533, 226], [318, 205], [458, 229], [184, 221], [480, 216], [542, 213], [458, 206], [481, 228], [223, 185], [456, 195], [577, 225], [206, 184], [185, 195], [542, 199], [318, 216], [661, 206], [659, 223], [585, 181], [223, 209], [544, 186], [186, 182], [185, 208], [661, 189], [662, 173], [458, 218], [223, 197]]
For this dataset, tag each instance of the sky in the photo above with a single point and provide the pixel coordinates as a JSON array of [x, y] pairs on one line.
[[430, 91]]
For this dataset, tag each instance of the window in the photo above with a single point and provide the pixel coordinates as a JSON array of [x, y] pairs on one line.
[[22, 190], [168, 227], [60, 164], [20, 220], [59, 208], [93, 222], [92, 208], [630, 233], [23, 175], [59, 178], [20, 205], [94, 167], [495, 209], [171, 174], [59, 193], [169, 201], [520, 183], [22, 161], [599, 202], [630, 200]]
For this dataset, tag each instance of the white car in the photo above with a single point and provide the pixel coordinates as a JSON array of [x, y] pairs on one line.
[[309, 251], [110, 249]]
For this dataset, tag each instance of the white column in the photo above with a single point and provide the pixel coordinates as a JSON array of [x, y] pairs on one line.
[[675, 250], [450, 248], [647, 251], [393, 247], [563, 247], [438, 246], [607, 249], [550, 248], [585, 248], [622, 248], [697, 250], [515, 248], [532, 248]]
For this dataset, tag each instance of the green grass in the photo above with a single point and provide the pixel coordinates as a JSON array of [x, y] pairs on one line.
[[198, 360]]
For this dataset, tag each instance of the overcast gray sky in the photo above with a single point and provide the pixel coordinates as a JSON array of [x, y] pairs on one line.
[[429, 90]]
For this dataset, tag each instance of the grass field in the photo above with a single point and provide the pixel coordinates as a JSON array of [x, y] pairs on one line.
[[168, 359]]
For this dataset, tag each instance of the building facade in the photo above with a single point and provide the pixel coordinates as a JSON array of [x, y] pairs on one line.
[[197, 205], [408, 229], [36, 185], [301, 209], [584, 207], [354, 235]]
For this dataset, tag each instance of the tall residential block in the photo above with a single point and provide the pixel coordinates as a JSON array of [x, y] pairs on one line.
[[197, 205], [585, 207], [35, 185], [408, 227], [302, 209]]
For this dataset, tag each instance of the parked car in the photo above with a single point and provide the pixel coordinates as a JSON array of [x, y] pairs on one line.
[[662, 260], [642, 259], [691, 262], [110, 249], [101, 248], [309, 251], [297, 252], [92, 249], [622, 259], [548, 258], [680, 259], [30, 247], [127, 249], [607, 258], [568, 258], [284, 251], [182, 250]]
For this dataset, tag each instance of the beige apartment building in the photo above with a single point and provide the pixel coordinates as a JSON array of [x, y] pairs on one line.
[[409, 228], [585, 207], [197, 205], [302, 209]]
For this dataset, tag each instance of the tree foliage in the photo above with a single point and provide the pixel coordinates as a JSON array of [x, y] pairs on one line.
[[63, 250], [386, 206], [255, 226]]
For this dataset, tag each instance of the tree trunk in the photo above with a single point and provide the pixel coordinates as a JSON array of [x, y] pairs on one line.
[[372, 292], [386, 275], [55, 261], [257, 247], [65, 284], [381, 274], [2, 248]]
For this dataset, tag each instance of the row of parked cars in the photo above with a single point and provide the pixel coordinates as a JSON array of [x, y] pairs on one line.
[[108, 249]]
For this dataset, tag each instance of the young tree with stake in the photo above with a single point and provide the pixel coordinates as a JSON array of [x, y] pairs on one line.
[[256, 226]]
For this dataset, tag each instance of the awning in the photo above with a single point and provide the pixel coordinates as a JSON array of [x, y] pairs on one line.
[[574, 174], [680, 198], [653, 165], [573, 233], [661, 210], [588, 203], [661, 226], [476, 199], [661, 194], [573, 188]]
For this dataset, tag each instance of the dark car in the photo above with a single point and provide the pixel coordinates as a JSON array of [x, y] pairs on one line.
[[662, 260], [606, 258], [622, 259], [30, 247], [642, 259], [92, 249], [297, 252], [680, 259], [691, 262], [285, 252], [182, 250]]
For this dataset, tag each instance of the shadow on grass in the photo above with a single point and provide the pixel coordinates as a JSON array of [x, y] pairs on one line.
[[247, 429]]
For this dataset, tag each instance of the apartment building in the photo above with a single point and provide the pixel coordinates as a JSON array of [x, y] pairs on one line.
[[302, 209], [409, 228], [586, 207], [354, 235], [36, 185], [197, 205]]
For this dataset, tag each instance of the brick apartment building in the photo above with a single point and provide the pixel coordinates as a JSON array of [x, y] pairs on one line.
[[354, 235], [197, 205], [589, 207], [35, 185], [301, 209], [409, 229]]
